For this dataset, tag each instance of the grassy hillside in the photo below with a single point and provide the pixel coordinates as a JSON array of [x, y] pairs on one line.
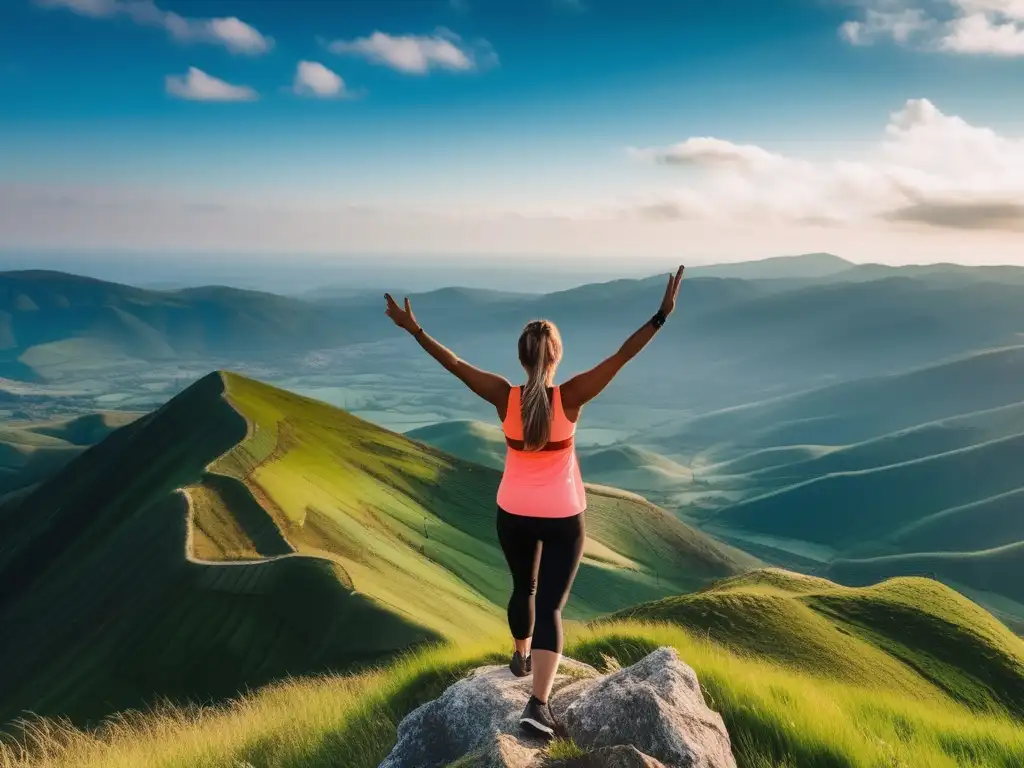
[[33, 452], [993, 570], [848, 508], [991, 522], [55, 324], [470, 440], [639, 470], [917, 442], [919, 636], [240, 533], [908, 474], [853, 411], [890, 705]]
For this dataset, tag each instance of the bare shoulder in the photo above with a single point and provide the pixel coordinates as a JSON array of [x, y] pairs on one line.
[[502, 395]]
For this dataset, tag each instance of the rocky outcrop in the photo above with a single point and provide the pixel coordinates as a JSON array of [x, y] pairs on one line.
[[649, 715], [610, 757]]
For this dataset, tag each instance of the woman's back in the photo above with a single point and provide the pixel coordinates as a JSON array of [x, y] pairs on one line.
[[545, 482]]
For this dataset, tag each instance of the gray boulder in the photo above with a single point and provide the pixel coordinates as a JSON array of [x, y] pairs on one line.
[[649, 715], [610, 757], [657, 706], [475, 722]]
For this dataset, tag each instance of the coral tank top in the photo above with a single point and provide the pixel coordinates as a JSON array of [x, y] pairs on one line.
[[545, 483]]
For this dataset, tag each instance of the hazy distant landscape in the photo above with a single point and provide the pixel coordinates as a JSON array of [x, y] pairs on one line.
[[852, 421]]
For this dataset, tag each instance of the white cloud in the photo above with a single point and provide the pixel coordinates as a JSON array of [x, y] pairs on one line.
[[316, 80], [928, 167], [196, 85], [232, 33], [705, 151], [990, 27], [418, 54]]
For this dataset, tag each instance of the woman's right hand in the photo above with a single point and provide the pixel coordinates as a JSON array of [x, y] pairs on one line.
[[672, 292], [402, 318]]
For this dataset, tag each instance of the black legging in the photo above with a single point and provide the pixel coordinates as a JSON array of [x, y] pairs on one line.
[[542, 553]]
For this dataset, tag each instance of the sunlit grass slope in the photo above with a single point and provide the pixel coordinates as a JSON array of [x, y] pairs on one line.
[[242, 533], [808, 710], [923, 638], [471, 440], [414, 527]]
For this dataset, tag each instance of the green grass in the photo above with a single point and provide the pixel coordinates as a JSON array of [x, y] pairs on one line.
[[32, 452], [778, 716], [296, 523], [925, 640], [474, 441]]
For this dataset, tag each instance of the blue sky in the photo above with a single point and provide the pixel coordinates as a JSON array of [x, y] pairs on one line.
[[592, 129]]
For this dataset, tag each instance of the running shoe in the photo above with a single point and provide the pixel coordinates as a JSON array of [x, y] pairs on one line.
[[521, 665], [537, 719]]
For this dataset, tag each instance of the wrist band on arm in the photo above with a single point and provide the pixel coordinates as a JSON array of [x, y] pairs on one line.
[[417, 332], [658, 320]]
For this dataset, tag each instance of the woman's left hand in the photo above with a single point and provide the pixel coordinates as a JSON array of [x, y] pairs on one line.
[[668, 303], [403, 318]]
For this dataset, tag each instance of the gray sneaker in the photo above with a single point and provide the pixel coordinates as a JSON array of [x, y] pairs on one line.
[[537, 719], [521, 665]]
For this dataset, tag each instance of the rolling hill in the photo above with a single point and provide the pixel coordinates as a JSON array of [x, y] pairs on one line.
[[52, 324], [241, 533], [914, 473], [849, 508], [32, 452], [902, 631], [803, 266], [473, 441], [852, 411]]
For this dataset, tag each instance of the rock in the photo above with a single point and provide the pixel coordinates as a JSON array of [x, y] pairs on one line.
[[657, 706], [649, 715], [475, 722], [611, 757]]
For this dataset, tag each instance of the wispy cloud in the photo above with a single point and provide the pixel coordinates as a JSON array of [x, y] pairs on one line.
[[929, 168], [230, 32], [196, 85], [419, 54], [317, 81], [989, 27]]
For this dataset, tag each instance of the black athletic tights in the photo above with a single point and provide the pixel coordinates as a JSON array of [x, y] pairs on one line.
[[543, 554]]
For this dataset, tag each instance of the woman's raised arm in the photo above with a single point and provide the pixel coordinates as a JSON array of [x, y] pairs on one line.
[[584, 387], [490, 386]]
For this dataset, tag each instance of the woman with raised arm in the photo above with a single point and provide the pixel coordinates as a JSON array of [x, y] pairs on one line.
[[541, 498]]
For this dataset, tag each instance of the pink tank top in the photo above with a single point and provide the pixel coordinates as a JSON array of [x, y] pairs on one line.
[[543, 483]]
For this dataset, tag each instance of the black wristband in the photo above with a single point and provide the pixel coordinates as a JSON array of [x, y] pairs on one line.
[[658, 320], [417, 332]]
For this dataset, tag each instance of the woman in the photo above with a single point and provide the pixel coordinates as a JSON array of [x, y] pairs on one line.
[[541, 499]]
